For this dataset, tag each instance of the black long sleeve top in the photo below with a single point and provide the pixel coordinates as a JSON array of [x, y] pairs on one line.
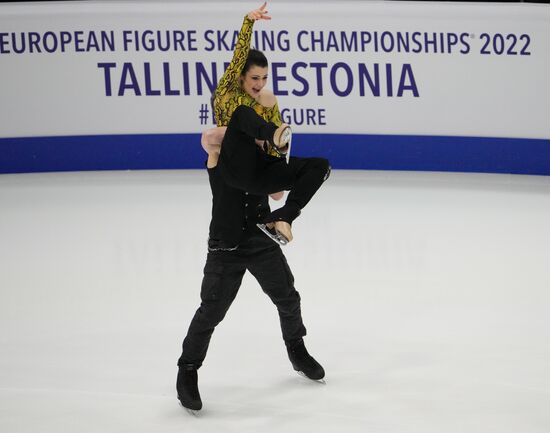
[[234, 212]]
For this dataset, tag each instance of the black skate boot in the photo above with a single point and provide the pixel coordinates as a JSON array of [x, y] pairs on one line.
[[188, 390], [303, 362]]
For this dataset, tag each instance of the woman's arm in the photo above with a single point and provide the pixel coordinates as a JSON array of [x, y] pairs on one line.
[[230, 78]]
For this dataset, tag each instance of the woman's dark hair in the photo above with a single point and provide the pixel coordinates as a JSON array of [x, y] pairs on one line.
[[255, 58]]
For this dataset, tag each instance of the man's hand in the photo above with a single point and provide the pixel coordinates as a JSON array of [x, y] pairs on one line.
[[211, 139], [277, 195]]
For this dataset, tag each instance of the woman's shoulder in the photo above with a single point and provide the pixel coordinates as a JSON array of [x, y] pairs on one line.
[[267, 98]]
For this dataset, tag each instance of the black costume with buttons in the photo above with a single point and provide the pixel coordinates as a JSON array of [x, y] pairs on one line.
[[236, 245]]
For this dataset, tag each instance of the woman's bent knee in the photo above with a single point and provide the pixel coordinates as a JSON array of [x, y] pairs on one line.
[[323, 166]]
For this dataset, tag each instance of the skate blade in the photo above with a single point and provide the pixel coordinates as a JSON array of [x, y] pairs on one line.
[[273, 234], [321, 381], [287, 156], [193, 412]]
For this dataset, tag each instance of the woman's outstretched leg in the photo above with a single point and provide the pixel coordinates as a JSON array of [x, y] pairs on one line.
[[241, 152], [243, 165], [302, 177]]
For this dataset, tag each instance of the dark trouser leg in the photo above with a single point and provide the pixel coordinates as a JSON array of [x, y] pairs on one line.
[[309, 177], [271, 270], [220, 285], [302, 176], [250, 123], [244, 166], [239, 161]]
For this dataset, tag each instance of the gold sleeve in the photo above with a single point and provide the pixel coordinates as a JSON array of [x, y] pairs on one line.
[[229, 82], [275, 115]]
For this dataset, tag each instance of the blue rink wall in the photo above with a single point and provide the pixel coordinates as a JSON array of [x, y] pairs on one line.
[[344, 151]]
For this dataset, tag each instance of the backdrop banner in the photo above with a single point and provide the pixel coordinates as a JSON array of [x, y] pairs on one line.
[[370, 85]]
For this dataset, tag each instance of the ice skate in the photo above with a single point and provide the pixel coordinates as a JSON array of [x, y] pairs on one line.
[[277, 225], [282, 141], [195, 413], [304, 363], [187, 388], [278, 231]]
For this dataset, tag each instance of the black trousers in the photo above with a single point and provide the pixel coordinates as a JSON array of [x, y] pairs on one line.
[[223, 274], [245, 166]]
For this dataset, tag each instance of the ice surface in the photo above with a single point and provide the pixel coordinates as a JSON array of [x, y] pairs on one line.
[[426, 299]]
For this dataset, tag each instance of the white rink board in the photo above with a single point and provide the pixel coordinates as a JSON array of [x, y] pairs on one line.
[[330, 48]]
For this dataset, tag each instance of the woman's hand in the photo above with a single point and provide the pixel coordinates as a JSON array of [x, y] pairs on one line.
[[259, 14]]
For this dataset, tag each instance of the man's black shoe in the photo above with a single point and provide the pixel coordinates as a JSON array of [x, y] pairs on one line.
[[187, 387], [303, 362]]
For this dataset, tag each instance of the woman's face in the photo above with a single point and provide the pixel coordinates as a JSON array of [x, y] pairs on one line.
[[254, 80]]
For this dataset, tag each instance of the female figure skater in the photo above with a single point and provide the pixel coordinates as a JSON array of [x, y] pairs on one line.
[[236, 244], [254, 156]]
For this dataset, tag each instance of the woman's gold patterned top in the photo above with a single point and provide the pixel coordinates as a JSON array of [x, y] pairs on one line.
[[229, 95]]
